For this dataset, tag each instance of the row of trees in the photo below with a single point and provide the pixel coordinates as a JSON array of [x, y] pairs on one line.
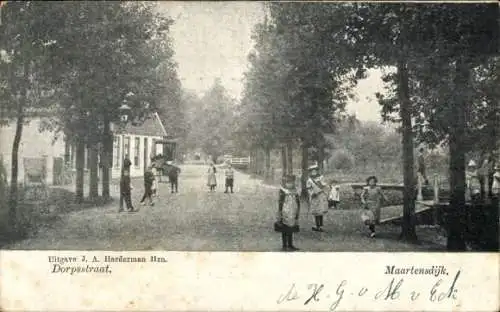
[[211, 122], [308, 56], [80, 62]]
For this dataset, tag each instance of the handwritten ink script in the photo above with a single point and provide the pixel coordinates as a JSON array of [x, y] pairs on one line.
[[438, 290]]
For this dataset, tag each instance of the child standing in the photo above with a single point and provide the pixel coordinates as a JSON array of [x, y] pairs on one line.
[[317, 197], [372, 198], [473, 191], [212, 179], [229, 178], [334, 196], [288, 212], [126, 191]]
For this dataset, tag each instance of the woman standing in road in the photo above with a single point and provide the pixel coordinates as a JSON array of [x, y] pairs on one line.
[[212, 179]]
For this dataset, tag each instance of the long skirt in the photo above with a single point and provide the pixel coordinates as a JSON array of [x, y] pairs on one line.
[[212, 179], [319, 205]]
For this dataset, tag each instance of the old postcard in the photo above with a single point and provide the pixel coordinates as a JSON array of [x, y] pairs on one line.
[[249, 156]]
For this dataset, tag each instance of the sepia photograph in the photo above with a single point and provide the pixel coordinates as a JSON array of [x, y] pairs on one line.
[[287, 127]]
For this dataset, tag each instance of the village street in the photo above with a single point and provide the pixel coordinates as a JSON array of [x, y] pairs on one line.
[[197, 220]]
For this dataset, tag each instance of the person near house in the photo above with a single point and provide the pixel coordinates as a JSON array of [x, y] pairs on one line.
[[288, 212], [154, 187], [485, 175], [421, 166], [334, 195], [212, 178], [123, 182], [495, 187], [473, 190], [317, 197], [173, 177], [148, 186], [229, 178], [126, 191], [372, 199]]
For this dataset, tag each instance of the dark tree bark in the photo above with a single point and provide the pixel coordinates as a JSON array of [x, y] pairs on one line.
[[14, 190], [267, 153], [304, 166], [408, 225], [106, 159], [284, 168], [79, 164], [94, 169], [457, 216], [289, 157]]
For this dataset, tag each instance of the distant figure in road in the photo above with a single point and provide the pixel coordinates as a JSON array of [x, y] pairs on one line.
[[212, 179], [148, 186], [229, 178], [421, 166], [173, 176], [372, 199], [126, 191], [317, 197], [473, 191], [288, 212]]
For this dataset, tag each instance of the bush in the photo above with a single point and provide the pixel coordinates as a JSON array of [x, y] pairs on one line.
[[342, 160]]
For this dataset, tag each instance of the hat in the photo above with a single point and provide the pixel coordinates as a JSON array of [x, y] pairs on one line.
[[313, 167], [170, 162], [472, 163]]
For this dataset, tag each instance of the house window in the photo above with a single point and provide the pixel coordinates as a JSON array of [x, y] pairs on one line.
[[126, 147], [116, 152], [137, 145]]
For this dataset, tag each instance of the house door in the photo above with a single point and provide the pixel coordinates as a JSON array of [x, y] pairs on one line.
[[146, 153]]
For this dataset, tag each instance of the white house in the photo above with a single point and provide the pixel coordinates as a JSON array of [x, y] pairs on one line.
[[56, 158]]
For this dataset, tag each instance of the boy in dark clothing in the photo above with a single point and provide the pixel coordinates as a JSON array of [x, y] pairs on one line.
[[173, 176], [148, 186], [125, 191]]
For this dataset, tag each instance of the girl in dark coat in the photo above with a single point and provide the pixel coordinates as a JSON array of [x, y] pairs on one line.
[[288, 212]]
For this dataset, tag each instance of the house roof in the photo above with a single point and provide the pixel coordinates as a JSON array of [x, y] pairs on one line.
[[152, 126]]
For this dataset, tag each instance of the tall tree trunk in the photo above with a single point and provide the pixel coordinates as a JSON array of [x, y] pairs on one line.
[[304, 166], [79, 164], [267, 152], [94, 169], [289, 157], [106, 159], [284, 163], [321, 157], [457, 216], [408, 225], [13, 195]]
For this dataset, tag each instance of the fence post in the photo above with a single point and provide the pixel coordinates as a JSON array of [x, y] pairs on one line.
[[420, 197]]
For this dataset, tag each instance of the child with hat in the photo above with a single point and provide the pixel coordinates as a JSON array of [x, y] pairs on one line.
[[288, 212], [473, 191], [317, 197], [372, 199]]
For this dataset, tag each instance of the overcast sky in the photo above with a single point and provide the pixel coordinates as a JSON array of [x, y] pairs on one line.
[[212, 39]]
